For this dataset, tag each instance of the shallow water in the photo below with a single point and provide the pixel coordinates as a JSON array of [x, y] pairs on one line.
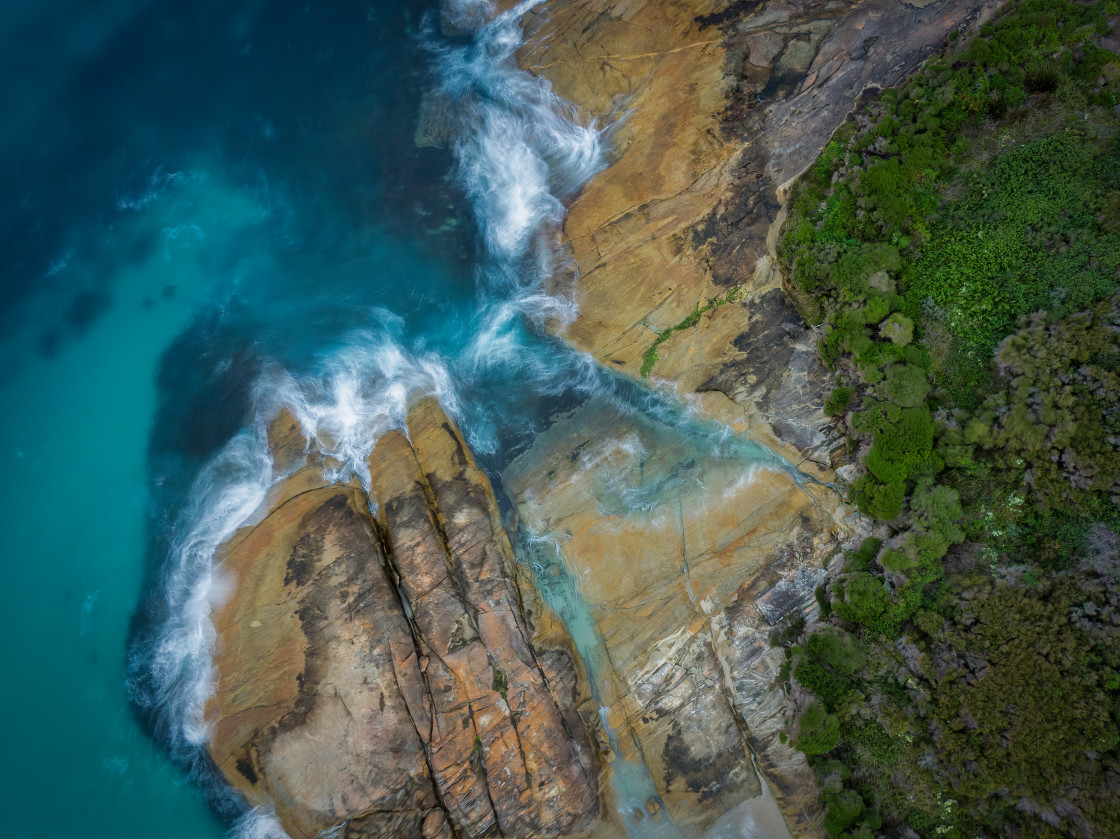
[[220, 208]]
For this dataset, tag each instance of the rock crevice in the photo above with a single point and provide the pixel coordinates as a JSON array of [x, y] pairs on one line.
[[376, 673]]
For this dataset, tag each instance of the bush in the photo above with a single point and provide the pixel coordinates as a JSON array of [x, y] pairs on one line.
[[882, 501], [906, 385], [864, 601], [819, 731], [898, 329], [844, 810], [838, 401]]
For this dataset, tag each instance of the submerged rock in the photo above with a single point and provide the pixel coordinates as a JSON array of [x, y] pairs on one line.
[[376, 673]]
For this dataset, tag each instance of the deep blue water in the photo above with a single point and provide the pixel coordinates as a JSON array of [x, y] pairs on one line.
[[191, 192], [212, 209]]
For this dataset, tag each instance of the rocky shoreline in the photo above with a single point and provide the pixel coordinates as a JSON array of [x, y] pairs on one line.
[[388, 669], [719, 107], [376, 670]]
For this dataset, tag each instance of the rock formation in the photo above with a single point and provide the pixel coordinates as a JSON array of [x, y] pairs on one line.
[[376, 670], [417, 682], [724, 104], [677, 552]]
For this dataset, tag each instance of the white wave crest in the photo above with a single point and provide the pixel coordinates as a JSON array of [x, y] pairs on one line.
[[178, 665], [363, 390], [258, 823], [522, 148]]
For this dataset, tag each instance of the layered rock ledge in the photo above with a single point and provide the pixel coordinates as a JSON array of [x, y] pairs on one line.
[[377, 675], [724, 104]]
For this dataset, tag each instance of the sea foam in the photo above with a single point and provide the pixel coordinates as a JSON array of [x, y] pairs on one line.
[[521, 149]]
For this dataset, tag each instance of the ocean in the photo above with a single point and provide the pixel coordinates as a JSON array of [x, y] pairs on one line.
[[214, 209]]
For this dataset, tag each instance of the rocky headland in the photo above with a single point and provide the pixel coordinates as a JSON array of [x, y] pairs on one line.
[[718, 107], [377, 673], [387, 668]]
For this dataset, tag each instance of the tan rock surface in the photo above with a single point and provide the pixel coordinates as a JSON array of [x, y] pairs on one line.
[[669, 546], [377, 672], [725, 104]]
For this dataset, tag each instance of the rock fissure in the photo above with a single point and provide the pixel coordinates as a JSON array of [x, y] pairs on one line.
[[426, 738], [375, 625]]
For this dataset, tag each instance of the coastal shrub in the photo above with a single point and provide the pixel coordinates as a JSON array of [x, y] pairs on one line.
[[879, 500], [903, 446], [906, 385], [838, 401], [988, 699], [864, 601], [838, 650], [1022, 239], [1054, 421], [895, 560], [819, 731], [823, 601], [844, 810], [935, 513], [828, 659], [862, 557], [898, 329]]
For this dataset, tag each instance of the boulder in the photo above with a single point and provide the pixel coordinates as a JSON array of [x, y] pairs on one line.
[[376, 672]]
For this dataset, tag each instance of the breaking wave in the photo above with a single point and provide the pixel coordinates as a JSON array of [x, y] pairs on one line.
[[520, 150]]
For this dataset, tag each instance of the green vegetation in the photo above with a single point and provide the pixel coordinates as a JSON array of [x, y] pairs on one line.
[[959, 243], [649, 358], [501, 684]]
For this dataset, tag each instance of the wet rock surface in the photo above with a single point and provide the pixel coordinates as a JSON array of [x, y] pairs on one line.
[[376, 673], [672, 546]]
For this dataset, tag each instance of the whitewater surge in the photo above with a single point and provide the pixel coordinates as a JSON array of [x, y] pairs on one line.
[[362, 391], [520, 150]]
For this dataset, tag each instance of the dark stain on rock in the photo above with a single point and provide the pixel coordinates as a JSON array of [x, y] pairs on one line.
[[307, 553], [705, 774], [245, 767], [736, 11], [767, 345], [303, 558], [460, 455]]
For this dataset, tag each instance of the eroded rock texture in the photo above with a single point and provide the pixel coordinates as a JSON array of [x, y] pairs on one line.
[[726, 103], [685, 561], [376, 672]]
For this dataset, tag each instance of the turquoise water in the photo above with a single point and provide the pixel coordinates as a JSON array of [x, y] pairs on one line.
[[195, 190], [218, 208]]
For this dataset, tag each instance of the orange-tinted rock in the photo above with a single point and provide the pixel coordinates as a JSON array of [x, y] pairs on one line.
[[666, 542], [377, 672], [725, 104]]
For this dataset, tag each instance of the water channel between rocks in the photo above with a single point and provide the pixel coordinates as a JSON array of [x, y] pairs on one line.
[[320, 254]]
